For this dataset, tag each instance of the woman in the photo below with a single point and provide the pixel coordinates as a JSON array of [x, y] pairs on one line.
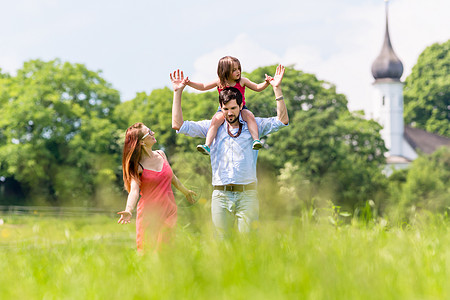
[[147, 173]]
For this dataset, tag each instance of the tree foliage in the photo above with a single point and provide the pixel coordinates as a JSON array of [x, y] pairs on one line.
[[155, 110], [62, 128], [424, 186], [325, 143], [427, 90], [57, 137]]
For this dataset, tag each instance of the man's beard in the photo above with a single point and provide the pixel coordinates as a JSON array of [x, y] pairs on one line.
[[236, 119]]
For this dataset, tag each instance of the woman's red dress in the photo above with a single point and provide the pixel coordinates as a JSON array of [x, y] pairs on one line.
[[156, 210]]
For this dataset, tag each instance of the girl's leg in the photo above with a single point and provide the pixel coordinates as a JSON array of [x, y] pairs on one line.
[[216, 121], [252, 127]]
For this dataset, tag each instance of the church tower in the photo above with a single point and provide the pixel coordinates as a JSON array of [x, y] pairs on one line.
[[404, 143], [388, 111]]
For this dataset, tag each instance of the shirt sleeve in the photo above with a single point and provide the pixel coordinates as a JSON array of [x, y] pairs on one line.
[[269, 125], [195, 128]]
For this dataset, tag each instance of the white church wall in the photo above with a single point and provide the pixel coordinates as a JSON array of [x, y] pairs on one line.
[[389, 113], [408, 151]]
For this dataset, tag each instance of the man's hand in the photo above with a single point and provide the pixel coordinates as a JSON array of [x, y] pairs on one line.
[[279, 73], [178, 80]]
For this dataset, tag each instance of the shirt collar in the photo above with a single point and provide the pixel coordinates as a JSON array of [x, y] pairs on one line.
[[240, 118]]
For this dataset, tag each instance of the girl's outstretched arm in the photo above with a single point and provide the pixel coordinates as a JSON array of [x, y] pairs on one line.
[[251, 123], [257, 87], [202, 86]]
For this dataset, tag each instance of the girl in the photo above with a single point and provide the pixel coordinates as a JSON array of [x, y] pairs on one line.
[[229, 72], [149, 172]]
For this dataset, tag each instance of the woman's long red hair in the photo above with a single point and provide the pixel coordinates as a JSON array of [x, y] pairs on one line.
[[132, 155]]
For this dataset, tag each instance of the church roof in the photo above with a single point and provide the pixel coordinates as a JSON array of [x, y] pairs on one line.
[[387, 65], [395, 159], [424, 141]]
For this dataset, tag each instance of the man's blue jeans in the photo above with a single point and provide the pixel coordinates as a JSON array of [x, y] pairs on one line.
[[226, 207]]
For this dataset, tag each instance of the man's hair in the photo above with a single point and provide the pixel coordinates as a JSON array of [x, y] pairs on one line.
[[228, 94]]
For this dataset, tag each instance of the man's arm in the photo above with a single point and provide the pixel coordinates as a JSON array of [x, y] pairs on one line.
[[273, 124], [194, 129], [179, 83], [282, 113]]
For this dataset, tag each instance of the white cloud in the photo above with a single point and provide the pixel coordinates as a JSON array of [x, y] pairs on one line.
[[305, 58], [346, 58], [134, 43], [416, 24], [250, 54], [10, 63], [343, 69]]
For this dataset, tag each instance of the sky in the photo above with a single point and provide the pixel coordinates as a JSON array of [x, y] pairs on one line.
[[137, 43]]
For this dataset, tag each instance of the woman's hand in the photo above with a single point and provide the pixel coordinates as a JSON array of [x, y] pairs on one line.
[[125, 217], [190, 196]]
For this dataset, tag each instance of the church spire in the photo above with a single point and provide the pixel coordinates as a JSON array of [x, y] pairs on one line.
[[387, 65]]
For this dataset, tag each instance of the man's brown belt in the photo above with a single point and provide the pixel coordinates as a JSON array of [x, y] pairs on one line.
[[236, 187]]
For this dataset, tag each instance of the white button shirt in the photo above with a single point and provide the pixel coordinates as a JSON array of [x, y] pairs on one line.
[[233, 161]]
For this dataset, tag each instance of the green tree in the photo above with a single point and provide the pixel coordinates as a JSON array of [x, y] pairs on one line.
[[155, 110], [422, 187], [427, 90], [330, 147], [57, 137]]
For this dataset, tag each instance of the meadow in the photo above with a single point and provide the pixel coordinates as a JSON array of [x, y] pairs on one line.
[[92, 257]]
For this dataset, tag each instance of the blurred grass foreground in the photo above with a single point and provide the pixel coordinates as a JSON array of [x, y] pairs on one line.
[[92, 257]]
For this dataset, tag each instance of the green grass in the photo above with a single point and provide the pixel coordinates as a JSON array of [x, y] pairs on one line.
[[92, 257]]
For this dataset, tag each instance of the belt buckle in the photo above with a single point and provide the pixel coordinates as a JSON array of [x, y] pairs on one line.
[[230, 188], [238, 188]]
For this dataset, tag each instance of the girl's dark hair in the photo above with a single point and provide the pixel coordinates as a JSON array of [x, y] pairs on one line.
[[225, 68], [228, 94]]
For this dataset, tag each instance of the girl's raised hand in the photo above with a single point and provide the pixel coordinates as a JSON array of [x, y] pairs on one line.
[[268, 78], [178, 80], [279, 73]]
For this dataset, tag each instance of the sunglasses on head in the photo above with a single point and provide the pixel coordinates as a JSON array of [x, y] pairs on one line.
[[147, 134]]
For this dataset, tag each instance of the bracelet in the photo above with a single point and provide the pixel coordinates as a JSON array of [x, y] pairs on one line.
[[279, 98]]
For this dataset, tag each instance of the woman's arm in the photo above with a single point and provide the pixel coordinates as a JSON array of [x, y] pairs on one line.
[[177, 183], [179, 186], [257, 87], [133, 197]]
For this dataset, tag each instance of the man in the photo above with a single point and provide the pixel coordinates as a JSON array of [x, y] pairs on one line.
[[233, 161]]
